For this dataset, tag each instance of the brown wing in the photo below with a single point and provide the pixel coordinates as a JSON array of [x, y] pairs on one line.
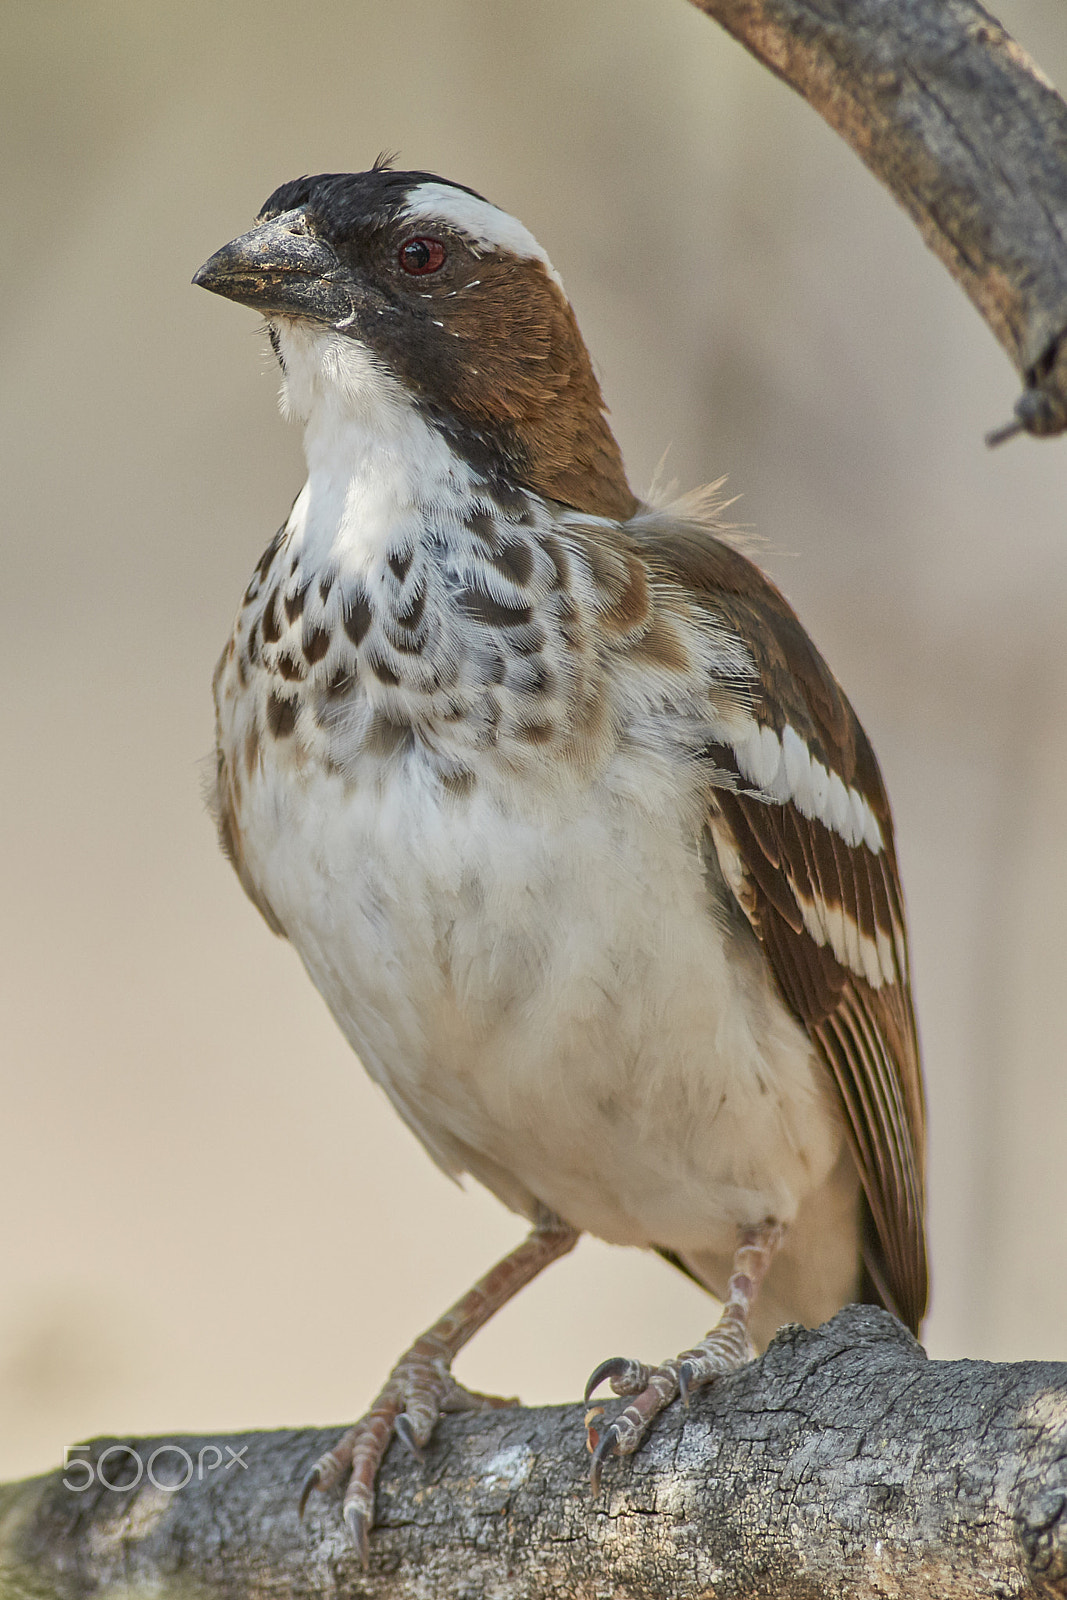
[[805, 840]]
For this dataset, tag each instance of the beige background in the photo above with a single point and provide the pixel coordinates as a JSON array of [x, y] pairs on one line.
[[210, 1220]]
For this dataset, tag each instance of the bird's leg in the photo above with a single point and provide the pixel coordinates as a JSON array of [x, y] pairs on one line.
[[724, 1349], [421, 1386]]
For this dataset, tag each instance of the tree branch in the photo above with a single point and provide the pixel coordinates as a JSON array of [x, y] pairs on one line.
[[957, 121], [842, 1464]]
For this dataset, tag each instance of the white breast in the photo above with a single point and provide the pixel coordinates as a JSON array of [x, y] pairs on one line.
[[537, 973], [544, 993]]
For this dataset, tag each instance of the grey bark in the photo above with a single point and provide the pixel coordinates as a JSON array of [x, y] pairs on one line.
[[843, 1464], [956, 120]]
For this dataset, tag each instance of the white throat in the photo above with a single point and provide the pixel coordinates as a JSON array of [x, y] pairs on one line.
[[375, 465]]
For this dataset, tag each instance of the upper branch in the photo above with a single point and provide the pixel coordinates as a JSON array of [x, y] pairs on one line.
[[958, 122]]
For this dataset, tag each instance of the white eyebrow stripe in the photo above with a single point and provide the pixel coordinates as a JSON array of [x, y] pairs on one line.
[[485, 225]]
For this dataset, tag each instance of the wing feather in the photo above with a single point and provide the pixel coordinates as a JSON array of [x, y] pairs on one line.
[[821, 890]]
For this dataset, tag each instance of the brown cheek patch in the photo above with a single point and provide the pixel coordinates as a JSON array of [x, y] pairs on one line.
[[533, 384]]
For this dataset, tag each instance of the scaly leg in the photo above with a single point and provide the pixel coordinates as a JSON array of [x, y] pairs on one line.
[[421, 1386], [724, 1349]]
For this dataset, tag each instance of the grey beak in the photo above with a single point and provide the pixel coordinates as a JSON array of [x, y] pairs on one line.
[[280, 268]]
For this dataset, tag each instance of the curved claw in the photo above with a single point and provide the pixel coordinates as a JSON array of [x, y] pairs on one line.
[[605, 1447], [614, 1367], [406, 1434], [686, 1374], [311, 1482], [356, 1522]]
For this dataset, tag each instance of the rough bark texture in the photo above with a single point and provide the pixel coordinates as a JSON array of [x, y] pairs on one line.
[[842, 1464], [961, 126]]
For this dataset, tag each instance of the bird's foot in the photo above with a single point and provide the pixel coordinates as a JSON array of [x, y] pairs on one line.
[[421, 1386], [419, 1389], [655, 1388], [724, 1349]]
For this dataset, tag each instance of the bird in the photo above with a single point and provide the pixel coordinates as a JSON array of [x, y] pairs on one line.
[[567, 818]]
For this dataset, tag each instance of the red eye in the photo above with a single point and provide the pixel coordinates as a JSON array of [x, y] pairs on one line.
[[419, 256]]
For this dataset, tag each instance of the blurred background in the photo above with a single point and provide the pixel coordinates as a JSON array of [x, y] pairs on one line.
[[210, 1219]]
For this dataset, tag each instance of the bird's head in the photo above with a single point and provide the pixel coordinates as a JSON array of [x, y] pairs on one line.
[[386, 289]]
